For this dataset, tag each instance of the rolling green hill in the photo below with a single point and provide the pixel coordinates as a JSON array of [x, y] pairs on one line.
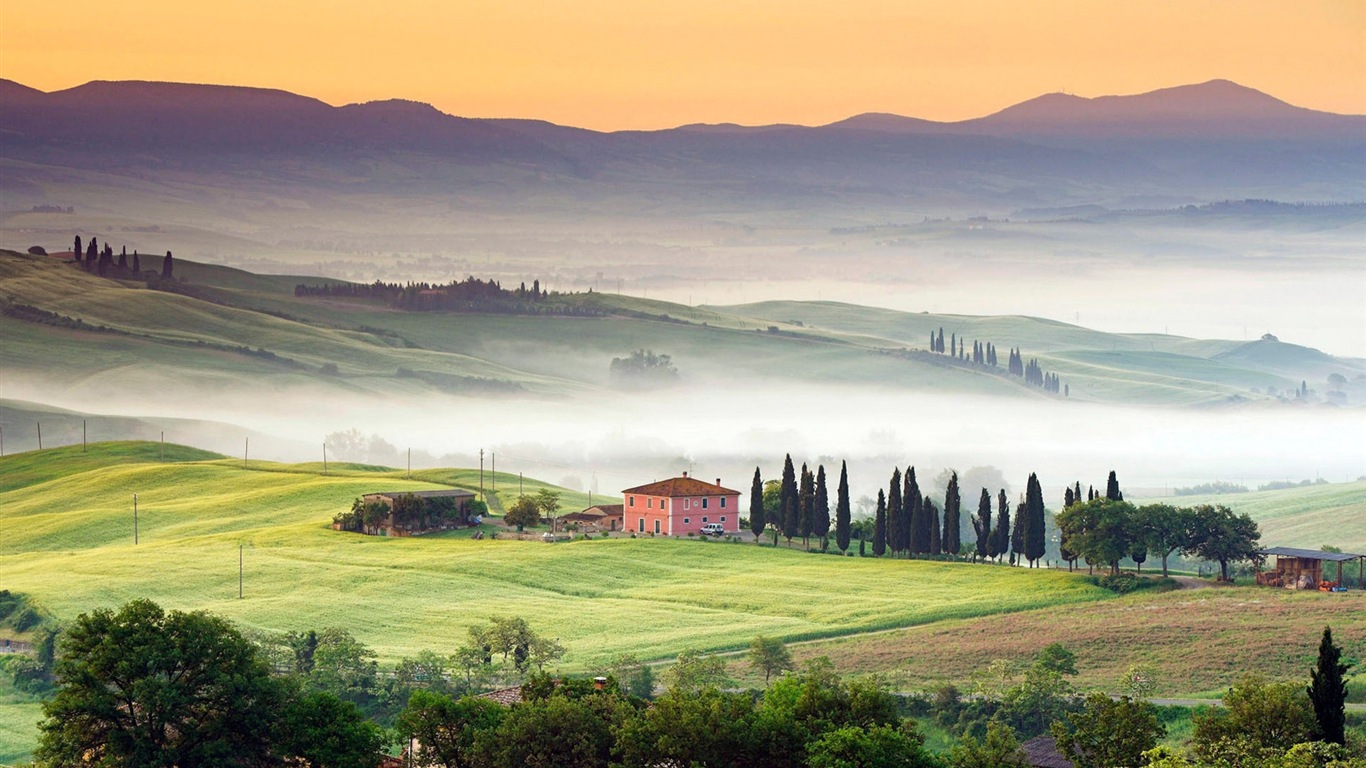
[[69, 546], [221, 327]]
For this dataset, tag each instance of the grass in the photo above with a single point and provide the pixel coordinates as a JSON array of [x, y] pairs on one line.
[[70, 547], [1201, 640]]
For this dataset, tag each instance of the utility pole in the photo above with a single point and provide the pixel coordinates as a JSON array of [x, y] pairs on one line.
[[40, 435], [135, 519], [324, 459], [481, 473], [246, 446], [239, 571], [519, 483]]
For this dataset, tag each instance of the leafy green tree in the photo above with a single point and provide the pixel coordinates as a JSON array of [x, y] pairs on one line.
[[448, 729], [1056, 658], [1109, 733], [319, 730], [998, 749], [524, 513], [880, 526], [757, 521], [143, 687], [1258, 718], [879, 746], [548, 503], [636, 678], [1328, 691], [557, 732], [1035, 538], [642, 369], [1163, 529], [694, 671], [513, 641], [951, 541], [343, 667], [981, 525], [707, 728], [1219, 535], [770, 656], [1099, 530], [842, 511]]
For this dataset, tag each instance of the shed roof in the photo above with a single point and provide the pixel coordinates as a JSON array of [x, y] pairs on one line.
[[1309, 554]]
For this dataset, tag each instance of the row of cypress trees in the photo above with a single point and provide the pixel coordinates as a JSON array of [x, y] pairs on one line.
[[101, 261]]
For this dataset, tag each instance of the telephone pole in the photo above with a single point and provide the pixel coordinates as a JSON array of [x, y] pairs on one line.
[[40, 434], [481, 473], [135, 519], [246, 446], [324, 459]]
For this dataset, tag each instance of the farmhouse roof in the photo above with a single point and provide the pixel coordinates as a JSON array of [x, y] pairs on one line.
[[607, 510], [1309, 554], [452, 492], [682, 486], [1042, 752]]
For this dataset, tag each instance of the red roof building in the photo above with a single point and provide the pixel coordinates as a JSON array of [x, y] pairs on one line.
[[679, 506]]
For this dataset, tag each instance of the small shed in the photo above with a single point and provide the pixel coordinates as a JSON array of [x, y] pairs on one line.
[[1303, 568]]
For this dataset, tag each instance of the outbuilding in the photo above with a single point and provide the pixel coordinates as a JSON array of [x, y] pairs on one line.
[[1303, 568]]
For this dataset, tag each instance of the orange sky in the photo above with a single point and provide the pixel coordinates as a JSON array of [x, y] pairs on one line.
[[610, 64]]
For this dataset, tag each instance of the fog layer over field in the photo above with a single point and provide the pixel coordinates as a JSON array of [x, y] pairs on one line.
[[606, 442]]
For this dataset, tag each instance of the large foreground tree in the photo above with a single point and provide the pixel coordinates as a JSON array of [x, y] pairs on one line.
[[144, 687]]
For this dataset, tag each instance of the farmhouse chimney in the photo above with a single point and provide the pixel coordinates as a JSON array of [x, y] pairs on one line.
[[685, 473], [718, 481], [599, 683]]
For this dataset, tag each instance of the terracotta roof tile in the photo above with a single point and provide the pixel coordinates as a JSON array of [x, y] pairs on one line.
[[682, 486]]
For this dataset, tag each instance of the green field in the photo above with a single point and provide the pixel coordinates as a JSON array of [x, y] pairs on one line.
[[71, 548]]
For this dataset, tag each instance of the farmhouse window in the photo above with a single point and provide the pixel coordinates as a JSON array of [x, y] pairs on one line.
[[656, 526], [723, 503], [704, 518], [631, 500], [704, 503], [685, 521], [723, 518], [642, 525], [649, 503]]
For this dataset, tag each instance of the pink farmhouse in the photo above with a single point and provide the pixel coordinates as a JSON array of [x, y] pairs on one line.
[[679, 506]]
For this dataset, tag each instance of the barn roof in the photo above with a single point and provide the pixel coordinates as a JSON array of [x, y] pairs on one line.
[[1309, 554], [452, 492], [682, 486]]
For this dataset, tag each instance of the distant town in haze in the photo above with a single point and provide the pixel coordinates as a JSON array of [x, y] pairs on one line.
[[346, 430]]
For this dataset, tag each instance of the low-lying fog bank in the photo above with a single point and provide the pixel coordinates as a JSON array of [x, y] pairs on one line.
[[607, 442]]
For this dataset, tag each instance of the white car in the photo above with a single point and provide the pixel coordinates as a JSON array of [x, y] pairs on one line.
[[713, 529]]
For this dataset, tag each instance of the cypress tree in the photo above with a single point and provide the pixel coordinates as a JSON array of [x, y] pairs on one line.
[[1076, 492], [1067, 498], [820, 520], [918, 538], [1328, 692], [894, 512], [166, 267], [1090, 493], [123, 258], [880, 526], [1000, 539], [953, 344], [806, 506], [76, 249], [981, 525], [787, 499], [1035, 539], [756, 506], [791, 520], [1017, 535], [931, 515], [842, 510], [952, 538], [1112, 488], [92, 253]]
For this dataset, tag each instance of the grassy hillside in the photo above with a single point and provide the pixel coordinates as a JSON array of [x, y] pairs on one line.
[[224, 326], [1309, 517], [72, 550], [1201, 640]]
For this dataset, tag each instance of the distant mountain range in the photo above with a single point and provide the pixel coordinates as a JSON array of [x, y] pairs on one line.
[[1215, 140]]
